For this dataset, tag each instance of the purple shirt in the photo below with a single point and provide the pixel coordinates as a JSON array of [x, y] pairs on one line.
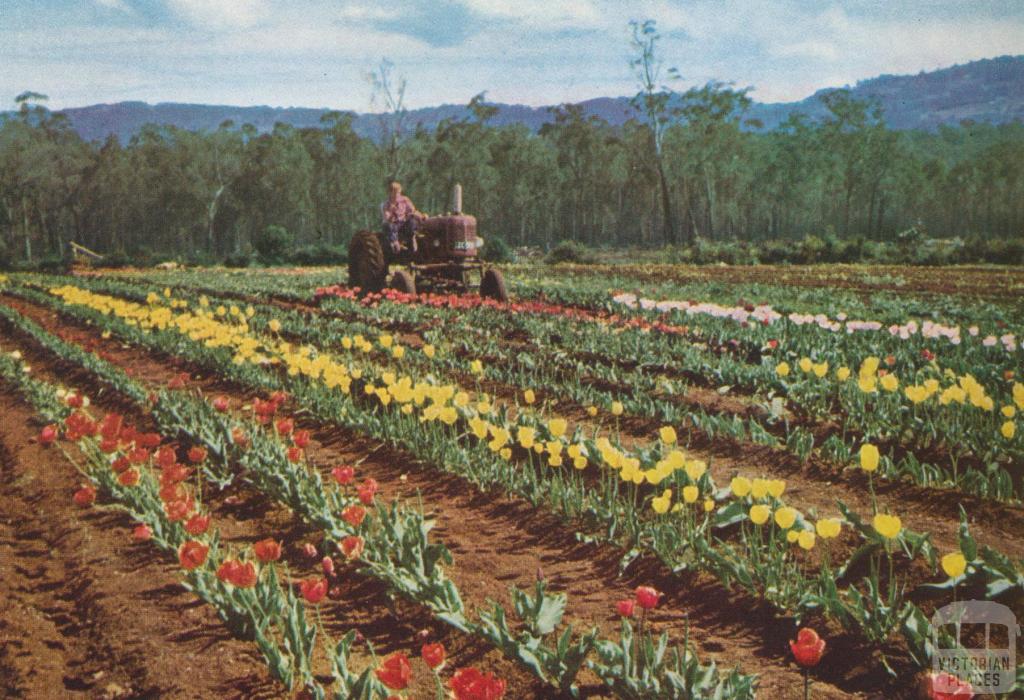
[[398, 211]]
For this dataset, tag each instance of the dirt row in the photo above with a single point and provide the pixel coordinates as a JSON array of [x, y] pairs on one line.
[[116, 646], [499, 541]]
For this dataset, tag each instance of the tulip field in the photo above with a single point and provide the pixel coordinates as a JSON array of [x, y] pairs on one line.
[[628, 482]]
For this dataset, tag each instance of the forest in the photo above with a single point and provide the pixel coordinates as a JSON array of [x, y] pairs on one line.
[[690, 173]]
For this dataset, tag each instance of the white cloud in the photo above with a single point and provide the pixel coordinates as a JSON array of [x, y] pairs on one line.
[[119, 5], [222, 13]]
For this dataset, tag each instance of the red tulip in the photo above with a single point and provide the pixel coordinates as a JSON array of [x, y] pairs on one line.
[[238, 436], [244, 575], [238, 574], [433, 655], [285, 426], [327, 564], [807, 648], [647, 597], [139, 455], [470, 684], [129, 477], [48, 435], [309, 550], [174, 474], [343, 475], [110, 428], [170, 491], [197, 525], [84, 496], [625, 608], [197, 455], [294, 454], [178, 510], [108, 446], [352, 546], [354, 515], [142, 533], [365, 496], [278, 398], [74, 401], [313, 590], [166, 456], [192, 554], [370, 484], [120, 464], [395, 672], [946, 686], [178, 381], [267, 550], [221, 404], [149, 440], [301, 438]]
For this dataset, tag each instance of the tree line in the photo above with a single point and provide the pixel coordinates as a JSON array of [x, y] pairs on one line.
[[688, 171]]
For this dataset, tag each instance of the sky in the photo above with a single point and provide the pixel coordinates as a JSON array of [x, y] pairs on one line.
[[318, 53]]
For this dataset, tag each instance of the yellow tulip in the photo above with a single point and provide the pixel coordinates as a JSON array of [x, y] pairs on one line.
[[592, 411], [555, 460], [867, 384], [776, 487], [785, 517], [805, 364], [690, 494], [385, 340], [868, 457], [806, 540], [888, 526], [759, 488], [579, 462], [661, 503], [476, 367], [820, 369], [782, 369], [429, 350], [828, 528], [843, 373], [740, 486], [954, 564], [709, 505], [695, 469], [667, 434], [792, 536], [557, 427], [529, 397], [759, 514], [525, 437], [1009, 411], [274, 325], [506, 453], [616, 408], [1008, 430], [398, 352], [890, 382]]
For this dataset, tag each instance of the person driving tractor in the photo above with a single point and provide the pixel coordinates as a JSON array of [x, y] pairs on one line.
[[400, 218]]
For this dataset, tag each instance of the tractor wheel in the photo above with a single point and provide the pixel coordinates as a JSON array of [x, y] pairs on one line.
[[366, 266], [492, 285], [403, 282]]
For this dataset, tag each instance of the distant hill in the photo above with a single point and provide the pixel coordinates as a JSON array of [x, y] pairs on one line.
[[990, 90]]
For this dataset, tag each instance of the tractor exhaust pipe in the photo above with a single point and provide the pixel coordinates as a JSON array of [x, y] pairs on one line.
[[457, 199]]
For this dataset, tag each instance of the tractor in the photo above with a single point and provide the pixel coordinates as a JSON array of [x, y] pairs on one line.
[[445, 259]]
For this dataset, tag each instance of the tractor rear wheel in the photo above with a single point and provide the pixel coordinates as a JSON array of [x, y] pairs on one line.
[[492, 285], [403, 282], [367, 268]]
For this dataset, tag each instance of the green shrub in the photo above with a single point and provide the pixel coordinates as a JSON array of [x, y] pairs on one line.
[[273, 244], [239, 259], [496, 250], [319, 254], [569, 252]]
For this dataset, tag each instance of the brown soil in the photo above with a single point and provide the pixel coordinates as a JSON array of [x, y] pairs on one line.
[[499, 542], [85, 611], [242, 516]]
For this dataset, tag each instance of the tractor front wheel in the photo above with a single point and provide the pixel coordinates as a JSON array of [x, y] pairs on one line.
[[492, 285], [367, 268], [403, 282]]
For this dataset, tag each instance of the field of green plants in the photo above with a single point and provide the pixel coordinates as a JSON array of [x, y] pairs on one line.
[[632, 481]]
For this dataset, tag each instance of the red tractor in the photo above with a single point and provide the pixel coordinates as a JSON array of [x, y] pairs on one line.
[[445, 259]]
